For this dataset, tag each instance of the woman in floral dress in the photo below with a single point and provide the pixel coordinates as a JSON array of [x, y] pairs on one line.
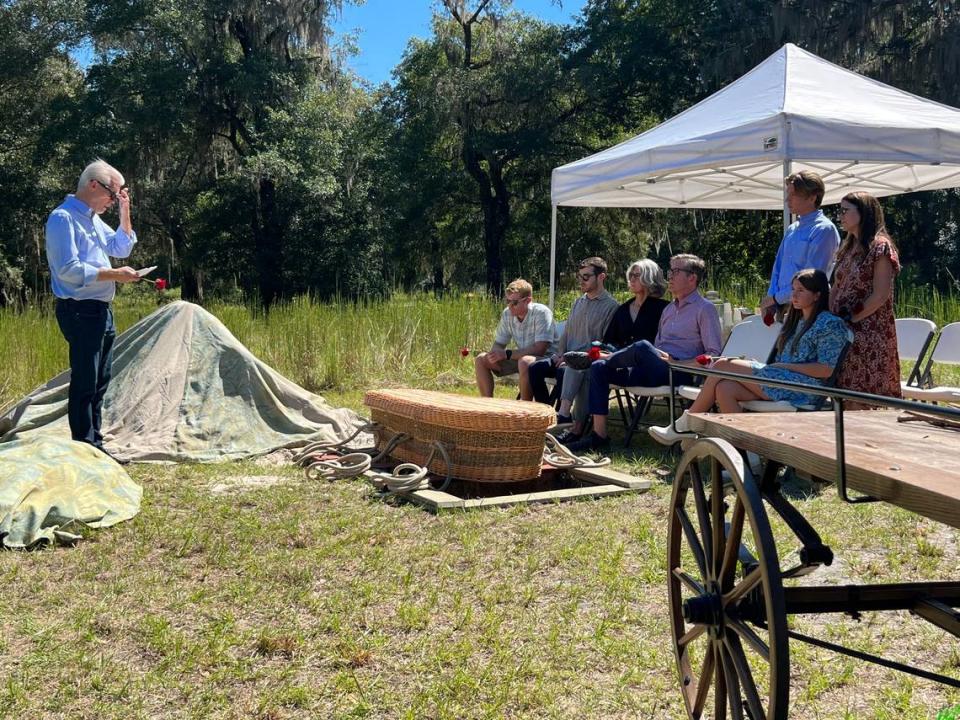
[[862, 294]]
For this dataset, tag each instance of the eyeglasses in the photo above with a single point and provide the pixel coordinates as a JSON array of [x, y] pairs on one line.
[[634, 276], [585, 277], [514, 303], [673, 271], [113, 194], [844, 210]]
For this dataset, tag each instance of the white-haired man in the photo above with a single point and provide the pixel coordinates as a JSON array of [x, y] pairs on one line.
[[79, 245]]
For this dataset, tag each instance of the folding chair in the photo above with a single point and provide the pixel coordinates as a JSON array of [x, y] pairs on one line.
[[945, 352], [784, 406], [750, 339], [914, 336]]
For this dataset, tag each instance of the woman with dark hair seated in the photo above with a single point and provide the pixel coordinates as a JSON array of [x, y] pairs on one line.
[[808, 350]]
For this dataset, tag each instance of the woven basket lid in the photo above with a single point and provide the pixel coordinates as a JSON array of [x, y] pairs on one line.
[[461, 411]]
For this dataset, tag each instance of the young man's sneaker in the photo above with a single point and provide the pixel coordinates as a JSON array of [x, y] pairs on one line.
[[590, 442], [568, 436]]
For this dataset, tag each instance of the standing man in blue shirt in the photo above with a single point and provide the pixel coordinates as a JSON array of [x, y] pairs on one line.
[[810, 242], [78, 245]]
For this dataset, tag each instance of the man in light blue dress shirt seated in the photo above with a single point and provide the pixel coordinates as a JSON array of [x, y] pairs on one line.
[[810, 242], [79, 245]]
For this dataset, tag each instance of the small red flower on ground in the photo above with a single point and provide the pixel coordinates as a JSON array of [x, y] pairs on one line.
[[464, 351]]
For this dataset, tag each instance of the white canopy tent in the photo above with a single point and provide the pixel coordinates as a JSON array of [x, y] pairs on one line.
[[793, 111]]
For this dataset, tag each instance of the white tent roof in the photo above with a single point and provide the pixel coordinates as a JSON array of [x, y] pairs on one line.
[[728, 151]]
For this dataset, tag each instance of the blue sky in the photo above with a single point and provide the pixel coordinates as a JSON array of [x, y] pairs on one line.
[[385, 26]]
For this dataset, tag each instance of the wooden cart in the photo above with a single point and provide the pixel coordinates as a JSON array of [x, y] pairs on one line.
[[727, 598]]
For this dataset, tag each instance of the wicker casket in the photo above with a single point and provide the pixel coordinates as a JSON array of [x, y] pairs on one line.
[[487, 440]]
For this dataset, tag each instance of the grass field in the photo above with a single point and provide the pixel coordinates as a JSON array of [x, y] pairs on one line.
[[244, 591]]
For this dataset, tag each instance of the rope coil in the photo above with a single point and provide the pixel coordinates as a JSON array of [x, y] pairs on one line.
[[559, 456], [404, 478]]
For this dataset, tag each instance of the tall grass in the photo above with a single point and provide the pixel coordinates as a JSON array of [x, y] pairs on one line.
[[343, 345]]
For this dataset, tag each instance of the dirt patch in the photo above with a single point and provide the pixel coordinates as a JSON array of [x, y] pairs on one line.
[[243, 483]]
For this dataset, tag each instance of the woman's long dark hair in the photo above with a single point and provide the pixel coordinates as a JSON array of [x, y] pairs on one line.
[[814, 281], [871, 223]]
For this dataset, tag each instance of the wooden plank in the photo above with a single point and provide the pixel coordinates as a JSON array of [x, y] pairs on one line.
[[436, 500], [912, 465], [608, 476]]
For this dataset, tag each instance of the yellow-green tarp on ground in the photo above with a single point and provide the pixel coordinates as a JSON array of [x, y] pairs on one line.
[[50, 487]]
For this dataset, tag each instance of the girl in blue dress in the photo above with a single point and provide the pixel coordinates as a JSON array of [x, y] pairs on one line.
[[808, 350]]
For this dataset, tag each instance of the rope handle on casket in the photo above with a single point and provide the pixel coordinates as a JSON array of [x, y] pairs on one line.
[[559, 456], [404, 478], [326, 446]]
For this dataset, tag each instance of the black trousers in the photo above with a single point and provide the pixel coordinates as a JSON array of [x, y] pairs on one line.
[[88, 328]]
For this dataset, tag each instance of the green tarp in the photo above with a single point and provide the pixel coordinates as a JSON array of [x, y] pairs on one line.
[[52, 486], [185, 389]]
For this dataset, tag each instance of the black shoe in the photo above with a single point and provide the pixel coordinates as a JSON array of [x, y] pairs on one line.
[[564, 419], [591, 442], [568, 436], [110, 455], [577, 360]]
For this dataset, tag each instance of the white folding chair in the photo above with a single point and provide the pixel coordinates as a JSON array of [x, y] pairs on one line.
[[945, 352], [914, 336], [750, 339]]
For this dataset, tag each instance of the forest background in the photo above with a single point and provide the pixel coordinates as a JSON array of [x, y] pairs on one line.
[[262, 168]]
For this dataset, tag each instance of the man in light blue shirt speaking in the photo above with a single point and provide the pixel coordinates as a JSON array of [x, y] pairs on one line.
[[78, 245], [810, 242]]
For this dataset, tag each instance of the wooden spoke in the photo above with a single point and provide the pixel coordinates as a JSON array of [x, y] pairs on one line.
[[720, 696], [752, 639], [703, 682], [744, 676], [733, 684], [732, 551], [693, 541], [690, 582], [717, 520], [691, 635], [743, 587], [700, 499]]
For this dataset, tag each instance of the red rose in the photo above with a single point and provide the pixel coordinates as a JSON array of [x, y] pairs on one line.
[[160, 284], [704, 359], [464, 351], [594, 353]]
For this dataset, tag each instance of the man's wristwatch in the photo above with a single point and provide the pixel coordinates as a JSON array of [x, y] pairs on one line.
[[509, 353]]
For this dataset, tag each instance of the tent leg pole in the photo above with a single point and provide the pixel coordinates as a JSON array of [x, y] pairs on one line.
[[786, 208], [553, 253]]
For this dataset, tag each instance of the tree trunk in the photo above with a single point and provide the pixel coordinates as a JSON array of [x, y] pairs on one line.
[[268, 244], [495, 203]]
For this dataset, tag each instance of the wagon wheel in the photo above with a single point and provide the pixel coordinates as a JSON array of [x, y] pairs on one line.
[[726, 595]]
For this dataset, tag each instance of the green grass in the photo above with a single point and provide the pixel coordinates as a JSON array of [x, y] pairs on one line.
[[297, 599]]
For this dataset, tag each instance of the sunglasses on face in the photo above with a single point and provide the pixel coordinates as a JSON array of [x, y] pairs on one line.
[[845, 210], [514, 303], [585, 277], [113, 194], [634, 276]]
